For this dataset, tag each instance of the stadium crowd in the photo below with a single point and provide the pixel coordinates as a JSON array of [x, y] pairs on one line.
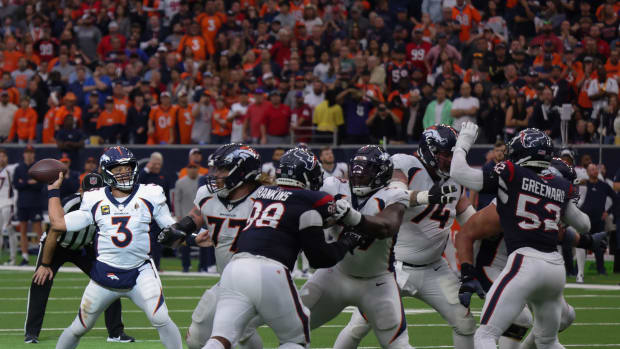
[[211, 72]]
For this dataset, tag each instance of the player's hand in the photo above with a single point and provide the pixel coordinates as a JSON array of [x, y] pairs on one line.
[[347, 214], [42, 275], [469, 285], [57, 183], [440, 194], [170, 236], [599, 241], [351, 240], [467, 136], [202, 239]]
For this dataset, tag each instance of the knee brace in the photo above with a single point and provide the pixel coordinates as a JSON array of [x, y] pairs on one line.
[[515, 332], [568, 316], [464, 324]]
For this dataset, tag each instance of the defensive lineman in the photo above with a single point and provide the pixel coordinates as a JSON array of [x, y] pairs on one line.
[[421, 271], [365, 279], [530, 205], [257, 281], [122, 211], [223, 204], [55, 250]]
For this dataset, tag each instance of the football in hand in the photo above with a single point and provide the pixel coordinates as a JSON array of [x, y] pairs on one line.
[[47, 170]]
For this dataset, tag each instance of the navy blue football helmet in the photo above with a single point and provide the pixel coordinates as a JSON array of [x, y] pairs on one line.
[[531, 148], [436, 148], [242, 163], [561, 168], [370, 169], [114, 157], [299, 168]]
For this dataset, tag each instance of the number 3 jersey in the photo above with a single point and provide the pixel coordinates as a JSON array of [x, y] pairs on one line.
[[375, 257], [123, 239], [425, 230], [224, 220], [529, 205]]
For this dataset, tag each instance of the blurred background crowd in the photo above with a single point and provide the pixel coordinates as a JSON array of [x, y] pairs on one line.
[[277, 72]]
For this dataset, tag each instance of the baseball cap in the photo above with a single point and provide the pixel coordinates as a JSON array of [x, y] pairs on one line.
[[29, 148], [113, 24], [478, 55], [64, 159], [92, 181], [194, 150], [70, 96], [252, 80], [109, 99], [164, 94], [533, 73], [568, 152], [91, 159], [267, 76], [588, 59], [418, 30]]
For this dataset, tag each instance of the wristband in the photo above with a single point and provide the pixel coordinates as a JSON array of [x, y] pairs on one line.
[[422, 197], [53, 193], [467, 270], [46, 265]]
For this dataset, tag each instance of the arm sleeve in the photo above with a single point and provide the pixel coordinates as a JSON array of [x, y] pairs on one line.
[[162, 215], [78, 220], [463, 174], [576, 219]]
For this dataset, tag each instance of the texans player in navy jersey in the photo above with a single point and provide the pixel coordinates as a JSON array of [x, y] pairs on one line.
[[284, 220], [530, 204]]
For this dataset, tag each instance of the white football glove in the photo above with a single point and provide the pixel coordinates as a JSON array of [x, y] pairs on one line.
[[467, 136], [347, 214]]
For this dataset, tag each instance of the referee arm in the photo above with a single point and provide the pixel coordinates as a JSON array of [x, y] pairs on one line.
[[44, 271]]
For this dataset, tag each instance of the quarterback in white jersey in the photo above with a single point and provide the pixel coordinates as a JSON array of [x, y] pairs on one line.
[[421, 271], [366, 278], [122, 211], [223, 206]]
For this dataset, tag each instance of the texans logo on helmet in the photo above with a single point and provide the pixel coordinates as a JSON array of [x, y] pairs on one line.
[[308, 160]]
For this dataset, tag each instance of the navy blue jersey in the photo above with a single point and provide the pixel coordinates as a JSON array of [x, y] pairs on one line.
[[286, 220], [529, 205]]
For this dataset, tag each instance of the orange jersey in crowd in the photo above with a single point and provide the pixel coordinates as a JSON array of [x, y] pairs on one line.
[[201, 171], [115, 117], [466, 17], [185, 122], [163, 120], [122, 105], [13, 94], [612, 69], [210, 25], [47, 135], [24, 124], [217, 128], [555, 60], [62, 112], [372, 91], [10, 60], [197, 43]]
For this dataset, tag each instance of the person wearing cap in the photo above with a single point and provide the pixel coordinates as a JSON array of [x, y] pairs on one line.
[[545, 117], [105, 45], [69, 107], [277, 121], [24, 124], [301, 119], [90, 166], [442, 46], [467, 16], [137, 119], [221, 127], [417, 50], [599, 89], [161, 121], [47, 132], [398, 68], [22, 74], [564, 93], [184, 118], [195, 157], [110, 122], [547, 35], [63, 66], [88, 36], [237, 115], [195, 41], [71, 182], [30, 200], [56, 249], [256, 113]]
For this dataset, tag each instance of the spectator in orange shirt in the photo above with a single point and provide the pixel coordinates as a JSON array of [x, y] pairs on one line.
[[195, 157], [220, 125], [7, 85], [47, 134], [90, 166], [110, 122], [467, 16], [11, 56], [24, 123], [195, 42], [185, 119], [70, 107], [210, 24], [162, 121]]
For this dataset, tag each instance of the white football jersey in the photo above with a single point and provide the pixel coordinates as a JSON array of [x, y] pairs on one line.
[[123, 239], [269, 168], [377, 257], [224, 222], [425, 230], [340, 170], [6, 186]]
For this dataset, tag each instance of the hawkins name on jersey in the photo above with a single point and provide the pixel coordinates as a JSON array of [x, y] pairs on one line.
[[224, 220], [376, 257], [123, 240], [425, 230]]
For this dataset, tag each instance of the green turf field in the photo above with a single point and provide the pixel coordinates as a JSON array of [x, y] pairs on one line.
[[597, 323]]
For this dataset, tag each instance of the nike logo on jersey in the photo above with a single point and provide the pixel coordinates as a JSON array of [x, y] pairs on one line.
[[379, 283], [112, 276]]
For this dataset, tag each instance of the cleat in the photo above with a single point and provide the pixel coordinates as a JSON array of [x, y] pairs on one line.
[[123, 338]]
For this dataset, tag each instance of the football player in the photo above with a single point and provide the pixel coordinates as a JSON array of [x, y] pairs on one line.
[[421, 271], [492, 256], [284, 219], [223, 205], [122, 212], [56, 249], [530, 205], [366, 279]]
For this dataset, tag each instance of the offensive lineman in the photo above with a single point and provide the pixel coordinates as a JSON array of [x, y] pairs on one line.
[[366, 279], [257, 281], [530, 205], [223, 204], [122, 211], [421, 271]]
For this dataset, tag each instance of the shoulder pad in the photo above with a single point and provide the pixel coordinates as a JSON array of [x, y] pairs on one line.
[[91, 197], [334, 185], [202, 195], [393, 196], [153, 193], [404, 162]]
